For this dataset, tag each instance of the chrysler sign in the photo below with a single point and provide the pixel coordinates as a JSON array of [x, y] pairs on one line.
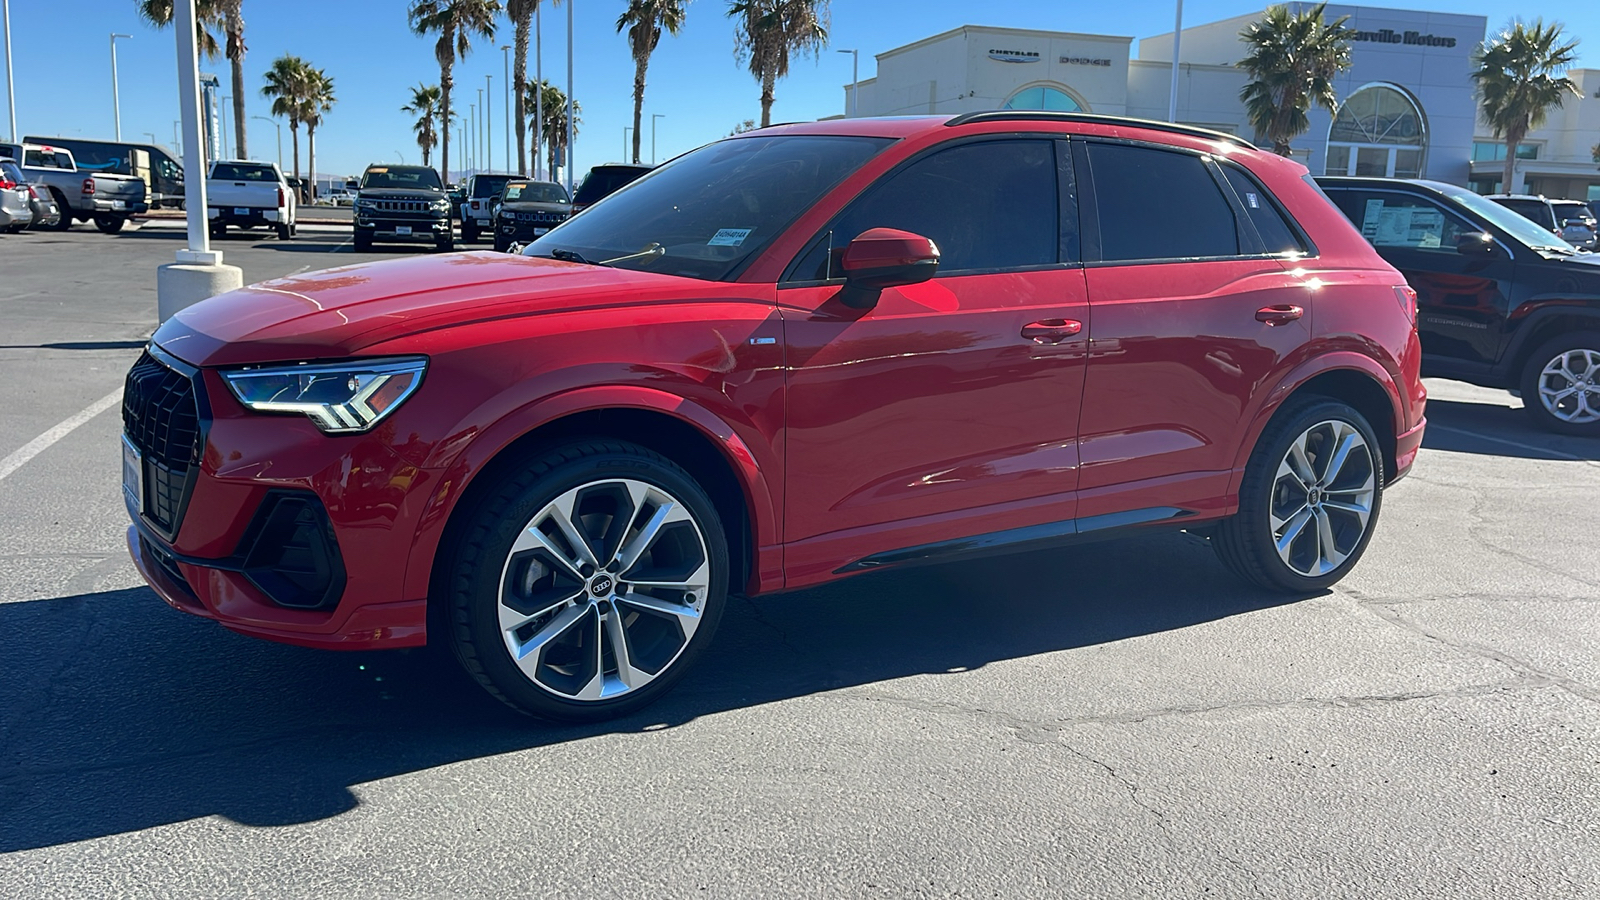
[[1015, 56]]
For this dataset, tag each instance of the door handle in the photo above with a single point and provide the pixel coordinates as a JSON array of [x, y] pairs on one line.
[[1279, 315], [1051, 331]]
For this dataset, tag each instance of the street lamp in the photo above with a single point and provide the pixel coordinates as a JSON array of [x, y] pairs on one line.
[[572, 102], [152, 137], [116, 108], [278, 125], [488, 125], [505, 58], [402, 157], [1177, 43], [625, 145], [653, 118], [11, 93], [538, 93], [478, 136], [855, 81], [469, 147]]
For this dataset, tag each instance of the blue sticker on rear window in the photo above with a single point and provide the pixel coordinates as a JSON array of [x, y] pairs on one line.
[[729, 237]]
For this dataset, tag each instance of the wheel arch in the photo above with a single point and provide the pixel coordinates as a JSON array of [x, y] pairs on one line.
[[682, 431], [1543, 325], [1352, 378]]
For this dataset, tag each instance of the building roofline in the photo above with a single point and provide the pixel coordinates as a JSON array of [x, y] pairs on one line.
[[995, 29]]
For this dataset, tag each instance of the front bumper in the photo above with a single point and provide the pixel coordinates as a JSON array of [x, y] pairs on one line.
[[266, 525], [389, 228], [521, 232]]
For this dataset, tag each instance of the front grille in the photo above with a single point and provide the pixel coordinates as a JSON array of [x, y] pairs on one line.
[[410, 206], [542, 218], [161, 418]]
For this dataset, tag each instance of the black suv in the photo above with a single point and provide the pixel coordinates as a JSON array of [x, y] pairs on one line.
[[1501, 302], [527, 210], [402, 203], [603, 181], [478, 195]]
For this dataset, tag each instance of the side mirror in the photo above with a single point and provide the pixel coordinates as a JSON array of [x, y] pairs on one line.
[[884, 258], [1476, 243]]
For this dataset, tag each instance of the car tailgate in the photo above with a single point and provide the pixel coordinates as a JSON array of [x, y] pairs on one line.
[[242, 194]]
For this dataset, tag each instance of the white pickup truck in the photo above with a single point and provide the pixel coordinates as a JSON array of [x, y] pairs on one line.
[[248, 194]]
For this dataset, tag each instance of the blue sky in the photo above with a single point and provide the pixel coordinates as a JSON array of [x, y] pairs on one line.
[[63, 70]]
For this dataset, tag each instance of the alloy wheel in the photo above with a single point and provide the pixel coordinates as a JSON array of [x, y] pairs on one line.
[[1322, 498], [1569, 386], [603, 589]]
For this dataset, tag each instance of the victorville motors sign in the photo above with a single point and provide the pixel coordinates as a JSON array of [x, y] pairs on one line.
[[1412, 38]]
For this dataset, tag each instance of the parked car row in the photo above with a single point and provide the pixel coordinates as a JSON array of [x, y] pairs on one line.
[[1573, 220], [24, 205], [106, 199]]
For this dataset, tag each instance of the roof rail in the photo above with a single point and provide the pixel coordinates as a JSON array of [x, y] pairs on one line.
[[1046, 115]]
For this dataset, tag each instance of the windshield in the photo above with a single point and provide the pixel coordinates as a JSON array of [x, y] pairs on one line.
[[395, 177], [1565, 211], [10, 172], [489, 185], [704, 213], [1513, 224], [534, 192], [236, 172], [603, 181]]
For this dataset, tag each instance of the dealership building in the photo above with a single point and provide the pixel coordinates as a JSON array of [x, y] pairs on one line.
[[1406, 104]]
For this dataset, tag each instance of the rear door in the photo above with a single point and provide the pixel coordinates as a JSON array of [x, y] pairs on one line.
[[950, 409], [1190, 321]]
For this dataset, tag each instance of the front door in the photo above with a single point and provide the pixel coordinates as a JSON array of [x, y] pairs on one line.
[[950, 409]]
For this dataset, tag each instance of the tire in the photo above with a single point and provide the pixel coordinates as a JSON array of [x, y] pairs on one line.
[[501, 245], [283, 231], [1273, 498], [527, 611], [362, 243], [469, 233], [110, 224], [444, 242], [66, 213], [1561, 384]]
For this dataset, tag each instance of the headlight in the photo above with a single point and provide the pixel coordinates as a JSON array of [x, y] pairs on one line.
[[441, 205], [508, 215], [341, 398]]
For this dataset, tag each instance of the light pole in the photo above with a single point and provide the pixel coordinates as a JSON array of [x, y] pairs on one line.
[[177, 142], [478, 137], [470, 147], [572, 100], [402, 157], [11, 92], [488, 124], [505, 59], [116, 108], [1177, 41], [653, 118], [278, 125], [152, 137], [855, 81], [538, 93]]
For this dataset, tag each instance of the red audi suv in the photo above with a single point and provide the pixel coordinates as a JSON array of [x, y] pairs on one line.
[[784, 358]]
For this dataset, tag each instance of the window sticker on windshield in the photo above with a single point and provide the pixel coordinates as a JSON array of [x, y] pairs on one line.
[[1407, 226], [729, 237], [379, 169]]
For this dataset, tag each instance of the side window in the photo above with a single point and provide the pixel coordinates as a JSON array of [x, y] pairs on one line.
[[1403, 221], [1159, 204], [1264, 212], [990, 205]]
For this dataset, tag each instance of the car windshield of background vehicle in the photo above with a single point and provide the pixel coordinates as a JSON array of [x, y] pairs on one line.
[[488, 185], [10, 172], [413, 179], [535, 192], [704, 213], [235, 172], [45, 159], [1565, 211], [603, 181], [1517, 226]]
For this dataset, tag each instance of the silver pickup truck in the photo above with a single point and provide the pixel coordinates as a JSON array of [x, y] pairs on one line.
[[106, 200]]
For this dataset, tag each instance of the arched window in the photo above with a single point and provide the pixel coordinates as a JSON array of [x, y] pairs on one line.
[[1380, 130], [1044, 97]]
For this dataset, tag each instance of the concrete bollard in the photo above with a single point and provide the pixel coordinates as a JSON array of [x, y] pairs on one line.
[[182, 285]]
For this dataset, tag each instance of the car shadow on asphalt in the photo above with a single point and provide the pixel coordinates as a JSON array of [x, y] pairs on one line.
[[1495, 430], [118, 713]]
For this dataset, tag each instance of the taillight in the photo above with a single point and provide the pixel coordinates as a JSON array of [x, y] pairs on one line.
[[1408, 301], [7, 184], [88, 185], [280, 196]]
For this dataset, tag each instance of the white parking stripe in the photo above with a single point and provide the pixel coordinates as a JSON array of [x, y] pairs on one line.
[[38, 445], [1500, 440]]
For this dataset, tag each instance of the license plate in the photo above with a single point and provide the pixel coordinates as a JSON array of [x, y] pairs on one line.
[[540, 231], [402, 229], [132, 478], [241, 211], [483, 221], [119, 204]]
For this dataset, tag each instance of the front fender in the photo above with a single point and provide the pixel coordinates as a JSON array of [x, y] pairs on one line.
[[469, 458]]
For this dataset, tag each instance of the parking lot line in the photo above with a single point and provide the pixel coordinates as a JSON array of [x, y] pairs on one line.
[[1510, 443], [38, 445]]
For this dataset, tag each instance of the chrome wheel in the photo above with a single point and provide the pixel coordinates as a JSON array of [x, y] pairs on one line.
[[603, 589], [1322, 498], [1569, 386]]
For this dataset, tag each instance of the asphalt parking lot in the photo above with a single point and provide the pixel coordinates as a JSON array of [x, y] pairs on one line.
[[1112, 720]]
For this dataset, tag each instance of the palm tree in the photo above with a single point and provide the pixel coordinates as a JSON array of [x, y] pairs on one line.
[[521, 14], [455, 21], [644, 21], [770, 32], [288, 84], [1292, 60], [425, 106], [229, 16], [317, 100], [554, 114], [1517, 84]]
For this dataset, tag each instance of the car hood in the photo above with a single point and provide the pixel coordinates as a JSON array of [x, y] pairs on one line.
[[336, 313], [533, 206], [401, 194]]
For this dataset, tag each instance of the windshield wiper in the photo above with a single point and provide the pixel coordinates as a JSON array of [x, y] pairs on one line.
[[653, 250], [571, 256]]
